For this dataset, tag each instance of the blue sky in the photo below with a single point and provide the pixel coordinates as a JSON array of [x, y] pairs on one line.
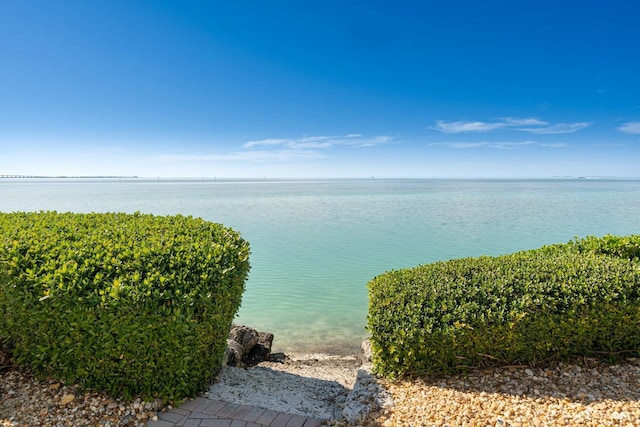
[[290, 89]]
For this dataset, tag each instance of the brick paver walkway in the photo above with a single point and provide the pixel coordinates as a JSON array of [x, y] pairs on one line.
[[202, 412]]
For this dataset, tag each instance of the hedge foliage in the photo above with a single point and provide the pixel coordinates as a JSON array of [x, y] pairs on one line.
[[577, 299], [131, 304]]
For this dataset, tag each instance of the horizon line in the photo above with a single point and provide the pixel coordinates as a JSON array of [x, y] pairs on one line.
[[265, 178]]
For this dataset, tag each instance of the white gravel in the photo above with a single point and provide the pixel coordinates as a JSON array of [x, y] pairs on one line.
[[313, 385]]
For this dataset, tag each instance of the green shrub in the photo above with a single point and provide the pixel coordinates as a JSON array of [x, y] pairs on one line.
[[621, 246], [552, 303], [129, 304]]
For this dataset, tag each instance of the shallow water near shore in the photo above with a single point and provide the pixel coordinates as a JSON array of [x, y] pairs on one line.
[[315, 244]]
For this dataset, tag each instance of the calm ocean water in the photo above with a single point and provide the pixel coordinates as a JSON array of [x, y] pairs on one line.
[[316, 244]]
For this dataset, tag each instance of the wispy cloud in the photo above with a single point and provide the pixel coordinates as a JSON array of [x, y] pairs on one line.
[[558, 128], [461, 127], [498, 145], [630, 127], [532, 125], [306, 142], [277, 156], [282, 150]]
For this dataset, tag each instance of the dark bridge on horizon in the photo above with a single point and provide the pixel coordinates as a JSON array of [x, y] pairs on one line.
[[42, 176]]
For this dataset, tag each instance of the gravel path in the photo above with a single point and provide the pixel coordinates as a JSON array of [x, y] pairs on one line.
[[311, 385]]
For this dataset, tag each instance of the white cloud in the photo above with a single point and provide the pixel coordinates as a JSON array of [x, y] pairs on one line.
[[532, 125], [555, 145], [486, 144], [378, 140], [270, 141], [558, 128], [459, 127], [250, 156], [499, 145], [630, 127], [305, 142], [523, 122], [281, 150]]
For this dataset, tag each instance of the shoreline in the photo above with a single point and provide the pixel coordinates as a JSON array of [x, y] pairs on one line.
[[343, 349]]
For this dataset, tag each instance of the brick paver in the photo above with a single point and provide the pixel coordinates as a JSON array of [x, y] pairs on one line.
[[202, 412]]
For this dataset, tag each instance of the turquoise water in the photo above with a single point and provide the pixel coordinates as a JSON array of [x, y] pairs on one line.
[[316, 244]]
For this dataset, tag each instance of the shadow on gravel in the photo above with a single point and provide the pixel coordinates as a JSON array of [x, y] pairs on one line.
[[279, 391]]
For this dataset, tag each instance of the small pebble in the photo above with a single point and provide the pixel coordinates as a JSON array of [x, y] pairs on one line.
[[66, 399]]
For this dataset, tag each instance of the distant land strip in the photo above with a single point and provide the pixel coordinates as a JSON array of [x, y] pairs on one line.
[[65, 176]]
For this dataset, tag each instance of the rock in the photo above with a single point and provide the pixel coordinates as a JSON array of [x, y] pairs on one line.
[[265, 339], [367, 353], [66, 399], [278, 358], [247, 347], [261, 351], [245, 336], [233, 354]]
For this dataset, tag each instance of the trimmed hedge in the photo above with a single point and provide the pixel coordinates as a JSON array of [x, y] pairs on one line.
[[620, 246], [577, 299], [131, 304]]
